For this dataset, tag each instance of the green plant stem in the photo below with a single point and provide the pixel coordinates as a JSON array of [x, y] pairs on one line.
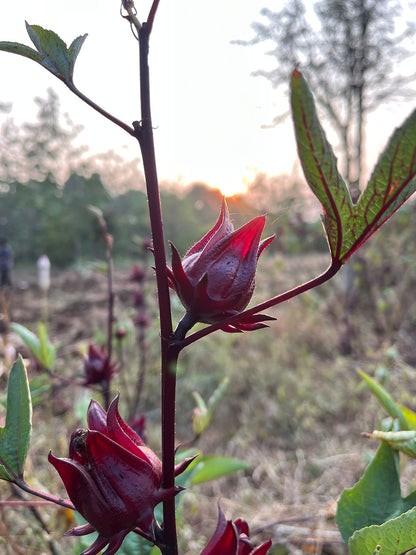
[[298, 290]]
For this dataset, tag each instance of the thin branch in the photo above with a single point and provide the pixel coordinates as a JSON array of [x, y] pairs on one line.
[[47, 496], [152, 14], [100, 110], [298, 290]]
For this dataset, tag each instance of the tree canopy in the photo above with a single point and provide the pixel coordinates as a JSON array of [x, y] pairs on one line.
[[352, 57]]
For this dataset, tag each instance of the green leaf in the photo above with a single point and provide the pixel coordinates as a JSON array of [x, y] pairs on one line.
[[203, 412], [385, 400], [57, 58], [376, 498], [15, 436], [210, 467], [75, 49], [29, 338], [51, 51], [47, 350], [320, 165], [392, 183], [40, 347], [394, 537], [402, 440], [22, 50], [39, 386], [410, 417]]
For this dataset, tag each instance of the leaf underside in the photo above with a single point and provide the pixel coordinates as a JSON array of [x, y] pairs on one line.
[[320, 164], [393, 181]]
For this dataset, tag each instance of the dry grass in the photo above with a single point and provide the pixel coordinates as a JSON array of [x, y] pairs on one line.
[[294, 409]]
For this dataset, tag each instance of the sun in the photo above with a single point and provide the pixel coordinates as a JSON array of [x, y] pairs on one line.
[[238, 184], [230, 189]]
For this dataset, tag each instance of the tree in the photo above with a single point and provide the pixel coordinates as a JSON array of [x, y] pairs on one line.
[[352, 62], [40, 149]]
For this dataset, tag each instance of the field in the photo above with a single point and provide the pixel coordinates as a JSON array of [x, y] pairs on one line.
[[294, 409]]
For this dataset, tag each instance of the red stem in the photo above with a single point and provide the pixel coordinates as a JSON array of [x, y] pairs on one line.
[[47, 496], [169, 351], [298, 290]]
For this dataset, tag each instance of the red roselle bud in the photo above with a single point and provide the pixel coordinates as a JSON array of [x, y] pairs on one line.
[[113, 479], [121, 332], [233, 538], [97, 366], [215, 278], [139, 300], [137, 274]]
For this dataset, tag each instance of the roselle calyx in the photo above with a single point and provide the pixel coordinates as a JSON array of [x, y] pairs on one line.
[[97, 366], [113, 479], [216, 277], [233, 538]]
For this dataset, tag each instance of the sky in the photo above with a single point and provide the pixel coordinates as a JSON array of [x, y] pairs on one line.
[[209, 112]]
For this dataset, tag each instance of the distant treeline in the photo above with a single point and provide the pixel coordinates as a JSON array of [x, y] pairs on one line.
[[40, 217], [43, 211]]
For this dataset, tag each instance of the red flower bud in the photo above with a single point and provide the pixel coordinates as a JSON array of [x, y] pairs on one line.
[[113, 479], [97, 366], [139, 300], [215, 278], [121, 332], [233, 538], [137, 274]]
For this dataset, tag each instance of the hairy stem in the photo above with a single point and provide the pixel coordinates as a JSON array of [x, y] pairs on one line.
[[47, 496]]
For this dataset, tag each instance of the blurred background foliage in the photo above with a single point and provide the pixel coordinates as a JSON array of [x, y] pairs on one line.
[[295, 406], [47, 212]]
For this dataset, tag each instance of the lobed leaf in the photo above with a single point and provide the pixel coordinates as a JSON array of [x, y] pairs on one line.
[[51, 51], [58, 59], [394, 537], [391, 184], [376, 498], [15, 436], [320, 166], [393, 181]]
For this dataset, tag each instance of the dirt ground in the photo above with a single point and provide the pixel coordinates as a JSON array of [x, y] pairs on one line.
[[302, 523]]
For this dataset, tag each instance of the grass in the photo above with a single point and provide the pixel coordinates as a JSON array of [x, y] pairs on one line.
[[294, 408]]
